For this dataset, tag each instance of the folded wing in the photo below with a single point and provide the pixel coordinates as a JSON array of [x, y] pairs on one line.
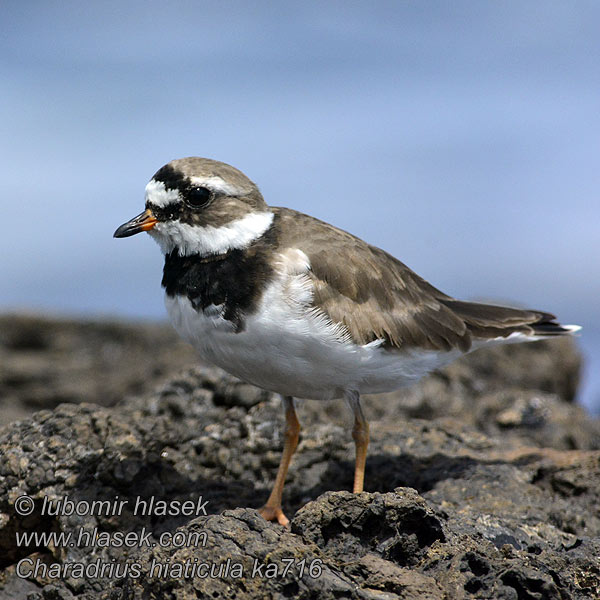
[[377, 297]]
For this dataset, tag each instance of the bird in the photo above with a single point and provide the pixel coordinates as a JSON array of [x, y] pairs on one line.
[[297, 306]]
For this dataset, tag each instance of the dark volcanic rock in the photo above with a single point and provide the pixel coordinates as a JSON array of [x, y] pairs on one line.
[[524, 391], [46, 361], [493, 495]]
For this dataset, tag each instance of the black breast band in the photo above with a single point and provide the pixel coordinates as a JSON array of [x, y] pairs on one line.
[[235, 280]]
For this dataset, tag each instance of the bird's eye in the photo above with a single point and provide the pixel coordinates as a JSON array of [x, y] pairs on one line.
[[198, 197]]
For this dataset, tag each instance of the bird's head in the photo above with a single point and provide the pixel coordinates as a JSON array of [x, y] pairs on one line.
[[200, 206]]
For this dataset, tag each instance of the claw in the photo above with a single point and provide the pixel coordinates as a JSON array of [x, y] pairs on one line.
[[274, 513]]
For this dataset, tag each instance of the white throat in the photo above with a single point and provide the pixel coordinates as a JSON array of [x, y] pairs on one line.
[[207, 240]]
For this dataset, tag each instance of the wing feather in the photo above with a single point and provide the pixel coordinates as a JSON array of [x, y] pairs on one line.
[[374, 295], [377, 297]]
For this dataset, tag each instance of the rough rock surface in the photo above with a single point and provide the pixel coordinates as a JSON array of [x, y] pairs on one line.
[[490, 490], [46, 361]]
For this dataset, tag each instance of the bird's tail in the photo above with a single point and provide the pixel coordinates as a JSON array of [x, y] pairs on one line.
[[489, 322]]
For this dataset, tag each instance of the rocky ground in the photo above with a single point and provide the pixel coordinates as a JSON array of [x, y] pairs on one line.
[[483, 481], [44, 361]]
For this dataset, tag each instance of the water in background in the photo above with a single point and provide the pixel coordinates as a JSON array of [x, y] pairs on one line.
[[461, 137]]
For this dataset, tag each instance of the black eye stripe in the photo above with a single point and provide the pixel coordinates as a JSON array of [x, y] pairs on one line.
[[194, 197], [169, 212]]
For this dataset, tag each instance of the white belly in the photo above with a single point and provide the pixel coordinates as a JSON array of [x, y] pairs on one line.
[[287, 348]]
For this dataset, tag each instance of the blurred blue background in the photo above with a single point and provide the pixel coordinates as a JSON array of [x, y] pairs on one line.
[[462, 137]]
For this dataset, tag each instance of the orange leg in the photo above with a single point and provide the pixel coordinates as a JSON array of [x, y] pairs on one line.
[[360, 434], [271, 511]]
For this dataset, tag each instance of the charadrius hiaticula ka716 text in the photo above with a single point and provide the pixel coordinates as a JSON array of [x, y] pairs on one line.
[[296, 306]]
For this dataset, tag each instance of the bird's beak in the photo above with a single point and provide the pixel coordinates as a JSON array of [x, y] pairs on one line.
[[143, 222]]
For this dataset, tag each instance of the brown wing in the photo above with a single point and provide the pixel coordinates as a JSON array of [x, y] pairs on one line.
[[378, 297], [369, 291]]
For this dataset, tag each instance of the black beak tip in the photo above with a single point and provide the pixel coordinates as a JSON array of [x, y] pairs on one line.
[[143, 222], [124, 231]]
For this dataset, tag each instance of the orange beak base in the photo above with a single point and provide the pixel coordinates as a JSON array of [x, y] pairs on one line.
[[143, 222]]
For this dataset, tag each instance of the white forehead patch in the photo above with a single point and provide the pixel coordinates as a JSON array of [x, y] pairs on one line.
[[159, 195], [217, 184], [193, 239]]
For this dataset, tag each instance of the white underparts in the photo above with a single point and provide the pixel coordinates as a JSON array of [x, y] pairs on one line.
[[289, 346], [205, 240]]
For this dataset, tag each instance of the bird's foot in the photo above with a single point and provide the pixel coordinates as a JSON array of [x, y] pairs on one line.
[[274, 513]]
